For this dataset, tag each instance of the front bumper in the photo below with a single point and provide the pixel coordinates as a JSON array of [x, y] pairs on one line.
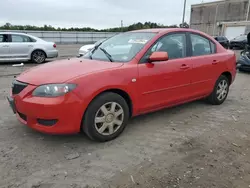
[[52, 54], [60, 115]]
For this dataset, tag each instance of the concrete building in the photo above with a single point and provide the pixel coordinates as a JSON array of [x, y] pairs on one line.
[[230, 18]]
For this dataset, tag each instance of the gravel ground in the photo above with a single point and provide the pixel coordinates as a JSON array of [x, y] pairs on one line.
[[193, 145]]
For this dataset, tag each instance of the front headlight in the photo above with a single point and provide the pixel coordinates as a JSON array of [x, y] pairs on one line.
[[53, 90]]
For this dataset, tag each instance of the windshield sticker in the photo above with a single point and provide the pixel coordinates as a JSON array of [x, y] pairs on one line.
[[137, 41]]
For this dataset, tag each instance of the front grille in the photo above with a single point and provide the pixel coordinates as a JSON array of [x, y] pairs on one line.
[[17, 87], [23, 116]]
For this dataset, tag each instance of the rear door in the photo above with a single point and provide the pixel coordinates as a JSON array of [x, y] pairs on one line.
[[20, 46], [4, 47], [205, 64]]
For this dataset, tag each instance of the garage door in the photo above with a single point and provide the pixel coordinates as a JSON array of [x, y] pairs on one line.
[[234, 31]]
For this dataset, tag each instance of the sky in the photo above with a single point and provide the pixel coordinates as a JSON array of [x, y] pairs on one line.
[[93, 13]]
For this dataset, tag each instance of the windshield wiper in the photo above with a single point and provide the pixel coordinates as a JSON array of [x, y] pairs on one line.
[[95, 48], [107, 54]]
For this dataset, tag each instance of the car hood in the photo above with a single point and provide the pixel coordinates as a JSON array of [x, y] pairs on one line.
[[64, 70], [87, 47]]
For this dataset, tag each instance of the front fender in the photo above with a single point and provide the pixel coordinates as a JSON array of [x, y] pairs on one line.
[[90, 86]]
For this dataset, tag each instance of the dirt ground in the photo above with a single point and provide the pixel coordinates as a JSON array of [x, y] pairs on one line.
[[189, 146]]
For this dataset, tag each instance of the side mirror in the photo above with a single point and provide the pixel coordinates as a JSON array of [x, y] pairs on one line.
[[158, 56]]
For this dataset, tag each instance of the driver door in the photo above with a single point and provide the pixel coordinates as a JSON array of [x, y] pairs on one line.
[[165, 83]]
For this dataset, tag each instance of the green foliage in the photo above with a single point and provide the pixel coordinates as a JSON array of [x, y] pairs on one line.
[[135, 26]]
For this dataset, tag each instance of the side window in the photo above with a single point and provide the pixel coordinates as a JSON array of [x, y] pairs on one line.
[[3, 38], [174, 44], [20, 38], [201, 46]]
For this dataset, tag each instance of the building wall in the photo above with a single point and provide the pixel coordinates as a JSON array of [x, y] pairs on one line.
[[205, 16], [68, 37]]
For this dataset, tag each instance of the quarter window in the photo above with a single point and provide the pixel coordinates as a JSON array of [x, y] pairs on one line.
[[20, 38], [201, 46], [174, 44]]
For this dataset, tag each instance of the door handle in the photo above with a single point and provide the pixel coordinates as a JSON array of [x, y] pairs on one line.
[[5, 46], [215, 62], [30, 46], [184, 66]]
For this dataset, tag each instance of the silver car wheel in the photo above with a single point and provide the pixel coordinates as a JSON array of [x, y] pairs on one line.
[[109, 118], [222, 90], [38, 57]]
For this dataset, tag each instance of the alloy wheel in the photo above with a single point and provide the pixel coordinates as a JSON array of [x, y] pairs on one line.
[[222, 90], [109, 118], [38, 57]]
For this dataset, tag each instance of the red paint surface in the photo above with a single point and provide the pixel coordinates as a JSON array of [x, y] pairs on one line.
[[158, 84]]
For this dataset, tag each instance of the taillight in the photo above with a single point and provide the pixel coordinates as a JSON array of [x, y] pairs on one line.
[[54, 45]]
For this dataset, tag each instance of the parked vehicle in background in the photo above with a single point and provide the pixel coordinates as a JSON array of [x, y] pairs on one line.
[[223, 41], [243, 63], [22, 47], [239, 42], [86, 48], [127, 75]]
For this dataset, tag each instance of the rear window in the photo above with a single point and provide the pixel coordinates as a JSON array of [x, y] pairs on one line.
[[20, 38]]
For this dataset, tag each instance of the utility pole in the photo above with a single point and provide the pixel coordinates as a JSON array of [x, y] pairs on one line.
[[215, 19], [184, 12], [121, 25], [248, 8]]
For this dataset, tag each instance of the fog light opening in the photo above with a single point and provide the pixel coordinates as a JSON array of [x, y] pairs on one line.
[[47, 122]]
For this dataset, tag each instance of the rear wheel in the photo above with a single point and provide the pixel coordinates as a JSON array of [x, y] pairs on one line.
[[106, 117], [38, 56], [220, 92]]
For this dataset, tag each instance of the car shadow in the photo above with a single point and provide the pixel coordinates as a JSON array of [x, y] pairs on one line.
[[81, 138]]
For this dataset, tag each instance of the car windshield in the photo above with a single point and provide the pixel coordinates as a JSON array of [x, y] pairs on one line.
[[121, 48], [244, 37]]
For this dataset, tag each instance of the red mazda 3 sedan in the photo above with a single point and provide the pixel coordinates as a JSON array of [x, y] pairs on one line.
[[126, 75]]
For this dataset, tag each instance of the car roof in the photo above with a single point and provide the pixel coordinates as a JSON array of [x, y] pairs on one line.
[[18, 33], [166, 30], [9, 33]]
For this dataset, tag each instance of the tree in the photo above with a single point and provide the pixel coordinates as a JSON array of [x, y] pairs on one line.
[[134, 26]]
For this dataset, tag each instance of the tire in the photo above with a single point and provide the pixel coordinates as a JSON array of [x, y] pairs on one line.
[[100, 117], [38, 56], [216, 98]]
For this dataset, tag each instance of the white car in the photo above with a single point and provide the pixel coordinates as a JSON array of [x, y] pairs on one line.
[[23, 47], [86, 48]]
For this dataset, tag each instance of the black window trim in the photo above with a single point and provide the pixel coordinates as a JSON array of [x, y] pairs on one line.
[[8, 36], [210, 42], [171, 33]]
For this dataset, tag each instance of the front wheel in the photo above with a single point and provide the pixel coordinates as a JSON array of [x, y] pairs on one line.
[[38, 56], [106, 117], [220, 92]]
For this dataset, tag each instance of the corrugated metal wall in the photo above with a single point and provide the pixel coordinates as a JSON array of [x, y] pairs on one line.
[[62, 37], [204, 17]]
